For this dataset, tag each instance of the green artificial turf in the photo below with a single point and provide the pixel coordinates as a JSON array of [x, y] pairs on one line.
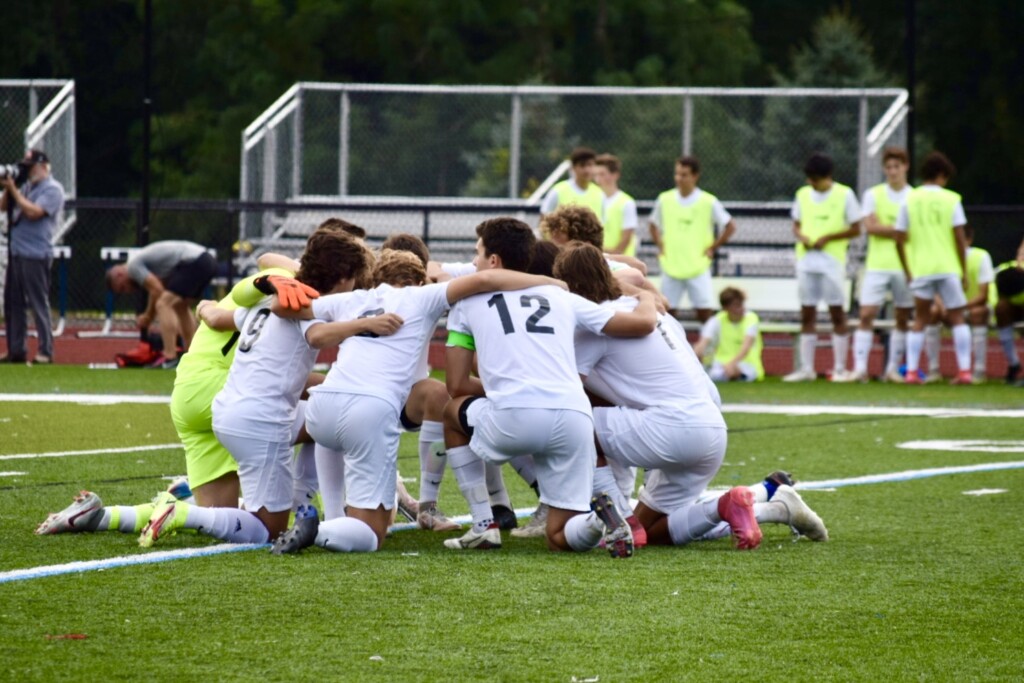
[[919, 581]]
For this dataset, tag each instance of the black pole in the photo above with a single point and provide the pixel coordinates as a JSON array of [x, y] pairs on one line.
[[911, 56], [142, 229]]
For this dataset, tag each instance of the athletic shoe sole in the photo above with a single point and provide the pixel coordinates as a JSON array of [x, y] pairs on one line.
[[74, 518], [618, 537], [737, 508], [490, 539]]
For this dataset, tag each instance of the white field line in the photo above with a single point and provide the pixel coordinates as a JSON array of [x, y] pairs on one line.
[[166, 556], [96, 451], [85, 399]]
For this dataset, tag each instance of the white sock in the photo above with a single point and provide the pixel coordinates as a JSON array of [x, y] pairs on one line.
[[932, 345], [305, 484], [227, 524], [523, 465], [808, 347], [1009, 347], [583, 532], [346, 535], [840, 350], [330, 466], [771, 513], [625, 478], [962, 345], [897, 350], [692, 522], [915, 340], [432, 460], [979, 335], [497, 494], [862, 350], [721, 530], [760, 492], [604, 482], [471, 475]]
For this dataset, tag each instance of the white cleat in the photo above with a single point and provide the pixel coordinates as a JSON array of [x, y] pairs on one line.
[[82, 515], [893, 377], [802, 519], [801, 376], [536, 526], [489, 539], [432, 519]]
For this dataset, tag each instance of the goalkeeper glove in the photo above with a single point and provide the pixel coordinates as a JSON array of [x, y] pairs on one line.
[[292, 294]]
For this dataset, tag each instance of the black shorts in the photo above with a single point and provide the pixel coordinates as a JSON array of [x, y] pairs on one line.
[[190, 278]]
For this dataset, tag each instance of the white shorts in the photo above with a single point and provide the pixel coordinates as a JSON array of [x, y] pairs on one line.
[[561, 441], [949, 288], [698, 289], [681, 460], [366, 430], [264, 470], [878, 283], [815, 287], [748, 373]]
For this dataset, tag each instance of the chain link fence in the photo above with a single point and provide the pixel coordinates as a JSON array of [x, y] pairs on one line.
[[762, 247], [323, 141]]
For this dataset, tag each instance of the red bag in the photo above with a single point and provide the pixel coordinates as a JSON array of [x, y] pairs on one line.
[[139, 357]]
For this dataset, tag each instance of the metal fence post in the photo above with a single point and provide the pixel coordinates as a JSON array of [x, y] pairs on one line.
[[343, 132], [863, 173], [426, 227], [514, 146], [687, 125], [297, 145]]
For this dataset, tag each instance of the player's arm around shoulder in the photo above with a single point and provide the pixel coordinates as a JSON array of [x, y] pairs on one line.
[[215, 317], [323, 335], [499, 280], [639, 322]]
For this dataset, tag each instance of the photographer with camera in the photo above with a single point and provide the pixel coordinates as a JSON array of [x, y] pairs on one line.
[[33, 211]]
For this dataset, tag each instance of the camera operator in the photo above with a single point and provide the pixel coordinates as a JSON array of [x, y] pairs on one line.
[[36, 207]]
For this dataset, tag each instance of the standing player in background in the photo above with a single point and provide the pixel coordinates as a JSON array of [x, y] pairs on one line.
[[683, 227], [735, 336], [884, 274], [934, 258], [1009, 309], [619, 210], [979, 285], [826, 216], [579, 189]]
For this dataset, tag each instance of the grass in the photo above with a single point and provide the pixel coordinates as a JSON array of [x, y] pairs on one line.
[[919, 580]]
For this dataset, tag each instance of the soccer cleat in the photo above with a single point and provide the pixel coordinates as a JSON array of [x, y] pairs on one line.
[[489, 539], [639, 532], [893, 377], [933, 377], [780, 478], [505, 518], [618, 537], [802, 519], [82, 515], [168, 516], [800, 376], [407, 506], [979, 378], [736, 507], [844, 377], [536, 526], [301, 535], [1011, 373], [432, 519], [913, 378], [962, 377], [180, 489]]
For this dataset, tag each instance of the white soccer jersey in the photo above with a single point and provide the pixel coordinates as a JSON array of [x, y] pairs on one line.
[[457, 269], [660, 369], [385, 367], [524, 345], [266, 379]]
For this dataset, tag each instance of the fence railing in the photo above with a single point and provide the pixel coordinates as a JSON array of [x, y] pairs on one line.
[[762, 246]]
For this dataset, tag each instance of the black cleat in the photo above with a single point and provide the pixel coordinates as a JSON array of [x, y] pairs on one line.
[[780, 478], [301, 535], [1012, 372], [504, 517]]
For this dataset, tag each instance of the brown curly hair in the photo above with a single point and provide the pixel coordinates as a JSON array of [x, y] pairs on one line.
[[585, 270], [341, 225], [399, 268], [404, 241], [330, 257], [576, 222]]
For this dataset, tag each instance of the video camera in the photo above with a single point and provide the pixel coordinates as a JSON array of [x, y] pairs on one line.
[[18, 171]]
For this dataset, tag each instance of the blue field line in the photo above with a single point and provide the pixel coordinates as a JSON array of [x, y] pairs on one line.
[[148, 558]]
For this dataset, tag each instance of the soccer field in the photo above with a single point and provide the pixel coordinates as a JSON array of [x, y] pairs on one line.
[[921, 578]]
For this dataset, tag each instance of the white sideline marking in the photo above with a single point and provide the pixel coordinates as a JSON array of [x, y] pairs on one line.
[[984, 492], [85, 399], [972, 445], [96, 451], [124, 561], [12, 474], [909, 475], [766, 409]]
